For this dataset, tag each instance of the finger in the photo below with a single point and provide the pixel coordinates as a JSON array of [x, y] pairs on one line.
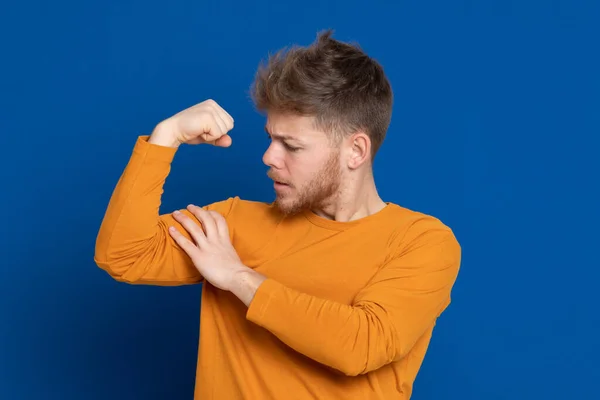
[[217, 113], [228, 119], [208, 222], [223, 141], [225, 115], [220, 123], [183, 242], [221, 224], [211, 130], [193, 228], [223, 124]]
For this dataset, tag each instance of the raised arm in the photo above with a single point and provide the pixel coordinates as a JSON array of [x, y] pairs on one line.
[[133, 244]]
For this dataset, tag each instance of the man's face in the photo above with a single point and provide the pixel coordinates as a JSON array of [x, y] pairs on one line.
[[305, 168]]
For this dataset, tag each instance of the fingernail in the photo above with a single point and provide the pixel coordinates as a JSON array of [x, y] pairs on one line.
[[176, 212]]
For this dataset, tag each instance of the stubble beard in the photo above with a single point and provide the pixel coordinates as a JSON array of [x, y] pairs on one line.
[[320, 190]]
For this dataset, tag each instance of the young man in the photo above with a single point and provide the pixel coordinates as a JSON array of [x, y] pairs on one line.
[[329, 292]]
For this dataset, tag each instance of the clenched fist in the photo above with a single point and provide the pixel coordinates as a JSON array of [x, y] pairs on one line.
[[205, 122]]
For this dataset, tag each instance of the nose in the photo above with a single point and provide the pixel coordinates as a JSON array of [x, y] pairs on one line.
[[271, 157]]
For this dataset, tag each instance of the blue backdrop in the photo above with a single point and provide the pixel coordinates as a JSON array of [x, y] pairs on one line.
[[495, 131]]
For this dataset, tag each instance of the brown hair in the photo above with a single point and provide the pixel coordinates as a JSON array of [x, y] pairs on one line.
[[335, 82]]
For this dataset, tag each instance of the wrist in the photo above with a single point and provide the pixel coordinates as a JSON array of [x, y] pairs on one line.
[[164, 135], [244, 284]]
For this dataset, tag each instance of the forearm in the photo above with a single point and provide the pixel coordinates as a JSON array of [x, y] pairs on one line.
[[385, 320], [350, 339]]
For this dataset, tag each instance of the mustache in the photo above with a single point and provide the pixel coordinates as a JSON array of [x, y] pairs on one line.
[[276, 178]]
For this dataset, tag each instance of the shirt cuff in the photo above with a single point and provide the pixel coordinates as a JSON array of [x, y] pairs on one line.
[[263, 297], [153, 151]]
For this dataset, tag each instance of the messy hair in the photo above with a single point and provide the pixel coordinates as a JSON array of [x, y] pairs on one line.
[[339, 85]]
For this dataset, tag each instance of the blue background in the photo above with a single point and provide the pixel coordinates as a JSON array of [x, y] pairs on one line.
[[495, 131]]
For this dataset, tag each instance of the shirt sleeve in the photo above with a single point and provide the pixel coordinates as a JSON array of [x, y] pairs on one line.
[[388, 316], [133, 244]]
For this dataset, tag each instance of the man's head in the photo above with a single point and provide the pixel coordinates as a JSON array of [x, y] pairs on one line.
[[328, 108]]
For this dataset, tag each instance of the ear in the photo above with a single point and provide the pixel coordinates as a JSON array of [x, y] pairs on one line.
[[360, 150]]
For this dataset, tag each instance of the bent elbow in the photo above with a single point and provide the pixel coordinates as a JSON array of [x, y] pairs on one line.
[[352, 370], [117, 264], [113, 267], [102, 259], [371, 357], [354, 365]]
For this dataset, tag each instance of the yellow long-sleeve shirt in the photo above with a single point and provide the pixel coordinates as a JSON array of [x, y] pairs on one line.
[[348, 308]]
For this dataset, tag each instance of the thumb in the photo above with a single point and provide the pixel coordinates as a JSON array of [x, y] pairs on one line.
[[223, 141]]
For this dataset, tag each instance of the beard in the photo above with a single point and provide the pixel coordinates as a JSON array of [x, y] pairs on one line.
[[318, 191]]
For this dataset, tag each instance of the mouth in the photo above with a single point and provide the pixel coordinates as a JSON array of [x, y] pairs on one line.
[[280, 185], [277, 183]]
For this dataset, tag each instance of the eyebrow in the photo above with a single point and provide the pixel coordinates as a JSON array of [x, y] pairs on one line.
[[282, 137]]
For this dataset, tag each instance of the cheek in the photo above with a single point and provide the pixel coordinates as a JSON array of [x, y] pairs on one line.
[[305, 165], [307, 178]]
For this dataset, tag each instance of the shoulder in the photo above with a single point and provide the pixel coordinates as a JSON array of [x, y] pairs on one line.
[[237, 210], [421, 230], [251, 225], [226, 206]]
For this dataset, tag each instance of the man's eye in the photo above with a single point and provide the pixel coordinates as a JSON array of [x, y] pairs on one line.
[[287, 146], [291, 148]]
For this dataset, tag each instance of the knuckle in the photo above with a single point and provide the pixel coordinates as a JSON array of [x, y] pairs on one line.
[[193, 208], [184, 219], [214, 122]]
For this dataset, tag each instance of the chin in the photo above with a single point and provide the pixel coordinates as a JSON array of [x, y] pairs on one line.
[[287, 206]]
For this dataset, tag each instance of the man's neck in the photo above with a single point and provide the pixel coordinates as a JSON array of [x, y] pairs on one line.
[[353, 202]]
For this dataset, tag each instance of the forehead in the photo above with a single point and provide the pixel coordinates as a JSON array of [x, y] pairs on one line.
[[293, 127]]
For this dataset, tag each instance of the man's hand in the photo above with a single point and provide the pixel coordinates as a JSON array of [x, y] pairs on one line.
[[205, 122], [213, 254]]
